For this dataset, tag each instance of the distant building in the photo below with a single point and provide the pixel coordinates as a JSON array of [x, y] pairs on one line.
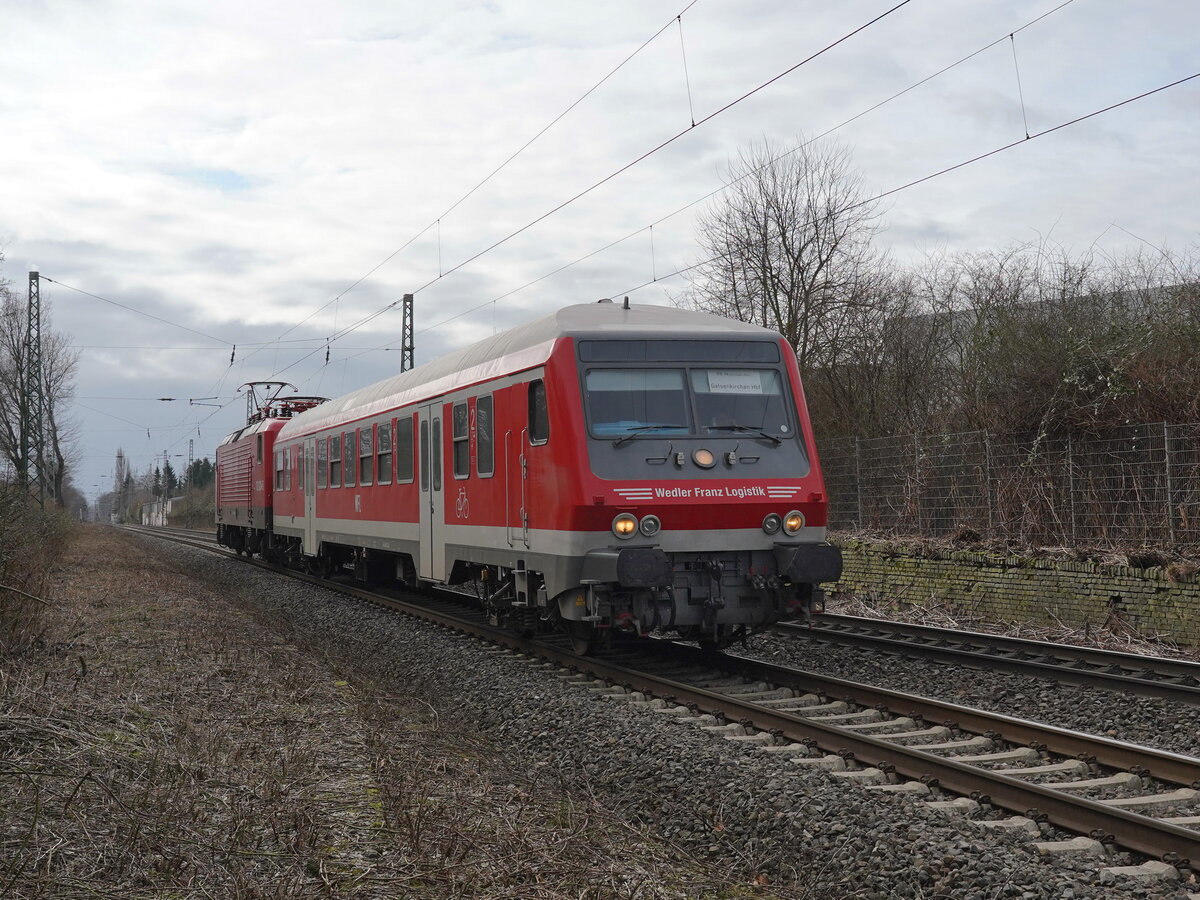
[[156, 514]]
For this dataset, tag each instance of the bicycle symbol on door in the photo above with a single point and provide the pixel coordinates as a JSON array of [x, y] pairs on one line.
[[462, 506]]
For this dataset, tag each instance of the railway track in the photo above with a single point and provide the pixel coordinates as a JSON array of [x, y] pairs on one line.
[[1146, 676], [1135, 797]]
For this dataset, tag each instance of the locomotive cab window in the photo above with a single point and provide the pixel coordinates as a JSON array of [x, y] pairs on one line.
[[335, 461], [404, 450], [539, 415], [383, 459], [485, 464], [366, 455], [350, 458], [628, 401], [258, 449], [462, 441], [739, 400]]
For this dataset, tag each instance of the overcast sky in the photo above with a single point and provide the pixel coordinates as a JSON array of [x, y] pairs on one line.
[[232, 167]]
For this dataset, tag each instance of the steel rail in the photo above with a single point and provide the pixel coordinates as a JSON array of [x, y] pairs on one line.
[[1143, 834], [1066, 671]]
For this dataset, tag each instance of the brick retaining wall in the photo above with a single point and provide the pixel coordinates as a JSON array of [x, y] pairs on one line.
[[1156, 602]]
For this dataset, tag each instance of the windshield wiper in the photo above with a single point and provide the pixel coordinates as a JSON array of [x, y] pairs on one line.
[[746, 428], [644, 429]]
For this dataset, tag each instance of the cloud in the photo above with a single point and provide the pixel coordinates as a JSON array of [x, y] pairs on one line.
[[236, 179]]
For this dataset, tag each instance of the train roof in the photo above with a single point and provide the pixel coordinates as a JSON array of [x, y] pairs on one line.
[[516, 350]]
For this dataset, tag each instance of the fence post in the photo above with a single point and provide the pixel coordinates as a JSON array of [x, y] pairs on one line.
[[918, 482], [858, 480], [987, 475], [1170, 494], [1071, 487]]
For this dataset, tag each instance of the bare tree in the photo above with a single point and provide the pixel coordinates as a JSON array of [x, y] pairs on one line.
[[788, 246]]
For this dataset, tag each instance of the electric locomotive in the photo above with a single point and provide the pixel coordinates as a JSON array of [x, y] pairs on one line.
[[604, 469]]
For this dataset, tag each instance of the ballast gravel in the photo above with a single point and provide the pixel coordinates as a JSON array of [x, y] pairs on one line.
[[1153, 721], [807, 833]]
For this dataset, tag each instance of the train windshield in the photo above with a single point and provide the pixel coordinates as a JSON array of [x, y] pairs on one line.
[[691, 400]]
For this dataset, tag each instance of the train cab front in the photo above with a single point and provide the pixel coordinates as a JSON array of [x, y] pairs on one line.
[[705, 478]]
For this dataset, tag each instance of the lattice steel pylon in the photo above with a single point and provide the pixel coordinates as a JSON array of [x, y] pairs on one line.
[[32, 469], [406, 339]]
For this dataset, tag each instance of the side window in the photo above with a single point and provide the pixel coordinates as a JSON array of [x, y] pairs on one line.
[[300, 467], [287, 469], [366, 455], [404, 449], [349, 458], [258, 449], [436, 453], [425, 455], [322, 462], [462, 443], [485, 453], [335, 460], [383, 461], [539, 416], [279, 470]]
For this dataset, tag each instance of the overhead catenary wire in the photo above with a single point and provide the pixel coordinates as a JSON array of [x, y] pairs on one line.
[[961, 165], [138, 311], [436, 223], [724, 187], [644, 156]]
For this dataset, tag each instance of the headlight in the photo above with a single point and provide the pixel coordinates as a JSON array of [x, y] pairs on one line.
[[625, 525], [793, 521], [772, 523], [704, 458], [650, 526]]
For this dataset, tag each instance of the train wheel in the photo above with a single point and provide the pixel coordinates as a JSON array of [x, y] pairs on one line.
[[583, 638]]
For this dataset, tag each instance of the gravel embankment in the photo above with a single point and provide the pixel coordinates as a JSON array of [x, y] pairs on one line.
[[750, 814], [1151, 721]]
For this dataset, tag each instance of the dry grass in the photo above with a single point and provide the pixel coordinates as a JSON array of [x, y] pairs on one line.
[[167, 744]]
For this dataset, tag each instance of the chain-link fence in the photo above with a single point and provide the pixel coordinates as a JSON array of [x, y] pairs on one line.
[[1131, 485]]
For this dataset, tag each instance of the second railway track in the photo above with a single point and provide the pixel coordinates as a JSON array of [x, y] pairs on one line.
[[1147, 676], [1143, 799]]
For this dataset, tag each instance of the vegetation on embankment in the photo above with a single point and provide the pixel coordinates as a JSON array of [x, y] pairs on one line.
[[31, 543]]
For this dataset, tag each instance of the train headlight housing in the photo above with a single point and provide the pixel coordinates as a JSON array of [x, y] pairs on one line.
[[793, 522], [704, 458], [625, 525], [650, 526], [772, 523]]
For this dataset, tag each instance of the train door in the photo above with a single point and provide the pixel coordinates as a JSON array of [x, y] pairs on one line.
[[432, 565], [310, 496]]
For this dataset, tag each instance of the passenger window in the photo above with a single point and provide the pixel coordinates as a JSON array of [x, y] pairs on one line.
[[539, 417], [404, 450], [485, 453], [425, 455], [383, 462], [366, 453], [462, 443], [299, 468], [349, 457], [335, 460], [279, 470], [436, 453], [322, 462]]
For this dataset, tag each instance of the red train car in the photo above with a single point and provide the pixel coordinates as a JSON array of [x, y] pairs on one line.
[[602, 468]]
